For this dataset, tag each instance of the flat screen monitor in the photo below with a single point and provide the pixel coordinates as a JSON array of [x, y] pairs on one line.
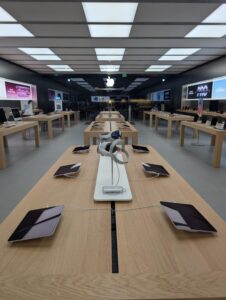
[[219, 89], [161, 96], [200, 91], [2, 116]]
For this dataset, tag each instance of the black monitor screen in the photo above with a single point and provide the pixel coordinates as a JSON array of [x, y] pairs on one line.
[[200, 91], [2, 116]]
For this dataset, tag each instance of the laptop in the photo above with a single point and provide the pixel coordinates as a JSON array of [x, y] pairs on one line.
[[16, 114], [37, 223], [2, 116]]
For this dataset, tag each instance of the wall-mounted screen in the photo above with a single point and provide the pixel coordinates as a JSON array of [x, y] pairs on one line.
[[100, 98], [164, 95], [16, 91], [200, 91], [219, 89], [51, 95]]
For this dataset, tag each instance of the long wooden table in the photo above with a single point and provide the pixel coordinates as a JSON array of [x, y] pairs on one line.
[[170, 118], [93, 132], [19, 127], [107, 116], [48, 119], [216, 140], [150, 115], [68, 115], [155, 260], [204, 113]]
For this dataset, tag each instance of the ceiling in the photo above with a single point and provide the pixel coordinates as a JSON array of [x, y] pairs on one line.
[[157, 27]]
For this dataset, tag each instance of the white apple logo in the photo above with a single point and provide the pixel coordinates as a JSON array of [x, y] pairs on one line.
[[110, 82]]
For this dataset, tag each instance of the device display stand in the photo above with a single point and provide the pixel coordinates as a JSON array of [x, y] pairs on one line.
[[107, 176]]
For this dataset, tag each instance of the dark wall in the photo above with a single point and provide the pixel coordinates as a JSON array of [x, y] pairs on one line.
[[43, 82], [210, 70]]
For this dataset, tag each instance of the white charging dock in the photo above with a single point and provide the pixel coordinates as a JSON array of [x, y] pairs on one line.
[[104, 191]]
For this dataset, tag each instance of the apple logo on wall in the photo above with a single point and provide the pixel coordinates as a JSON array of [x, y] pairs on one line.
[[110, 82]]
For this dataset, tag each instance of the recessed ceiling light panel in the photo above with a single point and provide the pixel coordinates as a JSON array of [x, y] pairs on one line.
[[46, 57], [217, 16], [14, 30], [173, 57], [182, 51], [108, 31], [109, 57], [110, 51], [5, 16], [109, 12], [207, 31], [36, 51], [109, 68]]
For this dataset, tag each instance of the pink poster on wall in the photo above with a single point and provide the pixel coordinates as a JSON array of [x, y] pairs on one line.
[[17, 91]]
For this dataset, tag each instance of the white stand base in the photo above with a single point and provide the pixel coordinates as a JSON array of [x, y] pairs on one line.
[[104, 179]]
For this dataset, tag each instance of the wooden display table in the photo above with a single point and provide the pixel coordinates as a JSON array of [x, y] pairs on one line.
[[68, 115], [48, 119], [204, 113], [216, 140], [150, 114], [93, 132], [107, 116], [155, 261], [170, 118], [19, 127]]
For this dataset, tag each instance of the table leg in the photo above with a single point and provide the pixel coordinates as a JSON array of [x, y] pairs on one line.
[[217, 151], [126, 140], [94, 140], [150, 120], [213, 140], [62, 123], [50, 129], [182, 129], [169, 129], [37, 136], [195, 133], [86, 138], [5, 141], [68, 120], [156, 122], [135, 138], [24, 134], [2, 153]]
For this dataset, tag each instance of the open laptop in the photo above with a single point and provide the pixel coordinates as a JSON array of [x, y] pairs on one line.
[[16, 114]]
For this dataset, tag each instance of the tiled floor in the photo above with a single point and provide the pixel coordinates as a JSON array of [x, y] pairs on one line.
[[26, 164]]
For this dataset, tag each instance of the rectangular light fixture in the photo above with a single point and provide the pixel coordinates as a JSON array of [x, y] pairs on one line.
[[109, 31], [173, 57], [109, 68], [182, 51], [14, 30], [207, 31], [109, 57], [217, 16], [61, 68], [141, 79], [46, 57], [110, 12], [77, 79], [37, 51], [157, 68], [5, 16], [110, 51]]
